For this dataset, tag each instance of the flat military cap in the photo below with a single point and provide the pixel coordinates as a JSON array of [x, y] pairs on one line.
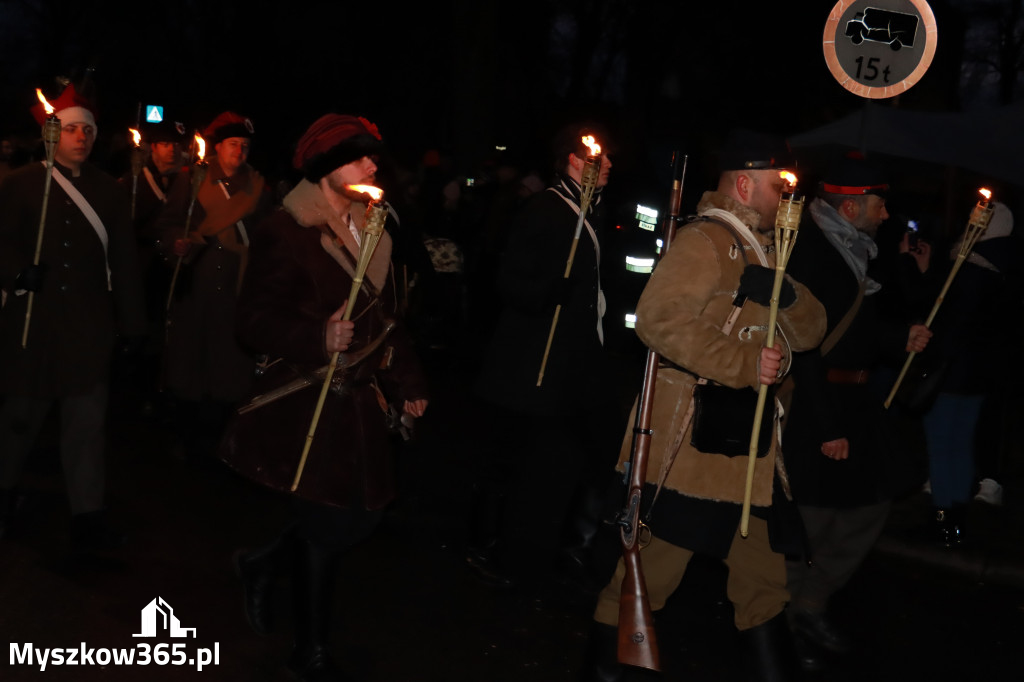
[[854, 176], [751, 150], [165, 131]]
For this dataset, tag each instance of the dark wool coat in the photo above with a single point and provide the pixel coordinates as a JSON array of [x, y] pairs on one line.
[[530, 282], [292, 286], [973, 339], [148, 205], [203, 357], [75, 317], [823, 411]]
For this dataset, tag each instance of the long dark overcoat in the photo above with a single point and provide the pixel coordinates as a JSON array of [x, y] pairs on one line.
[[530, 281], [822, 411], [76, 316]]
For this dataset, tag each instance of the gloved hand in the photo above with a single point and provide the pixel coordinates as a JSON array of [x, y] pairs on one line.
[[31, 278], [756, 284]]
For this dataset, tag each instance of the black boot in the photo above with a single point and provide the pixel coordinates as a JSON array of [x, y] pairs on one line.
[[818, 629], [258, 570], [576, 557], [600, 659], [767, 650], [312, 598], [484, 544]]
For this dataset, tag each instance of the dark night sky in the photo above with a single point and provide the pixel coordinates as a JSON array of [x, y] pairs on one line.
[[459, 75]]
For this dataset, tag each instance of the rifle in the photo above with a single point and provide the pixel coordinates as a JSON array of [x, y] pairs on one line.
[[638, 645]]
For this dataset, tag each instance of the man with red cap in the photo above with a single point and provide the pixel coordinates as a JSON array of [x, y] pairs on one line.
[[206, 368], [86, 291], [841, 447], [294, 297]]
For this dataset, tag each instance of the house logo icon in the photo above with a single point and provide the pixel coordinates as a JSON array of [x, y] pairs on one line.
[[158, 617]]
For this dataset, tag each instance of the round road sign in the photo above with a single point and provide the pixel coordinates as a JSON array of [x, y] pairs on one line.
[[879, 48]]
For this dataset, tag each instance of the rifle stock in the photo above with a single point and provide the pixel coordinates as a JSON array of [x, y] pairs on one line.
[[637, 642]]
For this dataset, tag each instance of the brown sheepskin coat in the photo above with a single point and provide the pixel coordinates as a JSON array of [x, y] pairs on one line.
[[680, 315]]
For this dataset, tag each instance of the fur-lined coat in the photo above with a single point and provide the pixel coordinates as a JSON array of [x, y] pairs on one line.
[[680, 315], [299, 274]]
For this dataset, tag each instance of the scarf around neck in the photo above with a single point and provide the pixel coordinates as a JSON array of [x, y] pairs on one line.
[[854, 246]]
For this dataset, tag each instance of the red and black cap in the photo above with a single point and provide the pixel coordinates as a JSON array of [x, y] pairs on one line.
[[750, 150], [333, 141], [852, 175], [228, 124], [70, 107]]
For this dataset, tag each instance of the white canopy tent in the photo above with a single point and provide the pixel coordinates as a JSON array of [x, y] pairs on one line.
[[990, 142]]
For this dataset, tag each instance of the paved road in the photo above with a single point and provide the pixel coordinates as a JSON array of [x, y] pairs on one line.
[[412, 612]]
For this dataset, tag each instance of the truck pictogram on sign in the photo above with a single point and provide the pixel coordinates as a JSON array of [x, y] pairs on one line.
[[882, 26]]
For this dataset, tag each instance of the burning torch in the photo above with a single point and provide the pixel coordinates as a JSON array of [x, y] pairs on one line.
[[198, 176], [51, 136], [787, 223], [976, 225], [588, 182], [373, 226], [136, 165]]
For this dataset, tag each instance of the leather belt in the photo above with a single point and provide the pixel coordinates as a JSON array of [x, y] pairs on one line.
[[847, 376]]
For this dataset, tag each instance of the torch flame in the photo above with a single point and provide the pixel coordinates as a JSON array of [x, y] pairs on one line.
[[374, 192], [46, 105], [987, 193], [592, 145], [136, 137], [200, 147], [790, 179]]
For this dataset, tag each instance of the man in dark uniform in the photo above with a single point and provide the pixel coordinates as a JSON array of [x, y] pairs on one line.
[[160, 169], [839, 442], [149, 190], [553, 439], [86, 290], [705, 312], [206, 368], [292, 307]]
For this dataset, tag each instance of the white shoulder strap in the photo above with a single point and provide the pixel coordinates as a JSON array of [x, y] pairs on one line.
[[743, 231], [88, 211], [602, 305], [154, 186], [241, 226]]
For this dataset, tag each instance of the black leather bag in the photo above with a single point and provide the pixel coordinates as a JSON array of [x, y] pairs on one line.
[[723, 418]]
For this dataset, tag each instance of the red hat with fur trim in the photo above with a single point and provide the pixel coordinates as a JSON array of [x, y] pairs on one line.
[[70, 107], [228, 124], [333, 141]]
